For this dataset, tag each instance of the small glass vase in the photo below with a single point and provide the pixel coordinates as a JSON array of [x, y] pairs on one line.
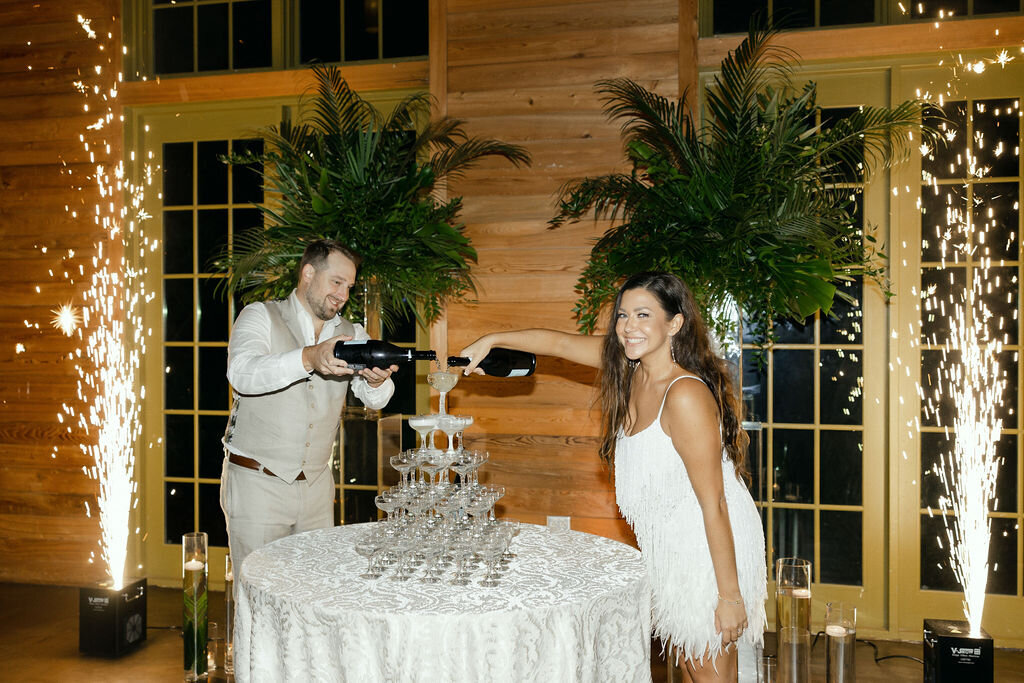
[[229, 615], [194, 569], [794, 655], [841, 633]]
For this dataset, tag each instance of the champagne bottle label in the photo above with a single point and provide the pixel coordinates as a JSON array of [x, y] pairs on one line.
[[519, 373]]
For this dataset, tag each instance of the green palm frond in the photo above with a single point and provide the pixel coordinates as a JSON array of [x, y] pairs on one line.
[[752, 204], [349, 173]]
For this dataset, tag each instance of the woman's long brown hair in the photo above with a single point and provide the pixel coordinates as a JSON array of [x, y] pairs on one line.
[[691, 349]]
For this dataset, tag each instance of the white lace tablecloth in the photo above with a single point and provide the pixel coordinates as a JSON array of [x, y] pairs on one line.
[[571, 607]]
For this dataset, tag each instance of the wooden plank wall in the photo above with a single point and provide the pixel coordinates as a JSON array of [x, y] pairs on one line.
[[45, 535], [523, 71]]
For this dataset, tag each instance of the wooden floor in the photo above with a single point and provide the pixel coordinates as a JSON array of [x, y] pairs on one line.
[[39, 642]]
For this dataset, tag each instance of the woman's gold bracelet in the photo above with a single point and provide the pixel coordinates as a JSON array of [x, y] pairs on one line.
[[731, 602]]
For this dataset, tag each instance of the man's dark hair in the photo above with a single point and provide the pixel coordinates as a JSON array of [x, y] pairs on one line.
[[317, 252]]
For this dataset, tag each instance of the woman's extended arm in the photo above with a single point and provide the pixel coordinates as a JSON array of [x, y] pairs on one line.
[[578, 348], [692, 422]]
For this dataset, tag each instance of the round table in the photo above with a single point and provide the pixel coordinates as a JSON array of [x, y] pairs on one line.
[[571, 607]]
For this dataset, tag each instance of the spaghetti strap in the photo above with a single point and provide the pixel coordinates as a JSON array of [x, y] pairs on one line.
[[665, 397]]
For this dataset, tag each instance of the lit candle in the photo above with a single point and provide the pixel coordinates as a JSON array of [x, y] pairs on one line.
[[194, 565]]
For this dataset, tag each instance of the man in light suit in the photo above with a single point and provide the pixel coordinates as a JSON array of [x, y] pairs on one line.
[[289, 392]]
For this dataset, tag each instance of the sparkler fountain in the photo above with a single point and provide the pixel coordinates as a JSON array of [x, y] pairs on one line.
[[970, 379], [112, 615]]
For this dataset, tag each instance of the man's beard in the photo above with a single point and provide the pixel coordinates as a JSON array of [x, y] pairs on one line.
[[320, 309]]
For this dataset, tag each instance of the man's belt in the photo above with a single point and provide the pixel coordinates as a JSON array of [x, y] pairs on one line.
[[250, 464]]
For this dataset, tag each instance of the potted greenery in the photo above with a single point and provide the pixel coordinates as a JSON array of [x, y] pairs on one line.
[[748, 207], [349, 173]]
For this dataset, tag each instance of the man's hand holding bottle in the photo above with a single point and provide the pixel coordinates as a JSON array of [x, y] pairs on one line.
[[322, 359]]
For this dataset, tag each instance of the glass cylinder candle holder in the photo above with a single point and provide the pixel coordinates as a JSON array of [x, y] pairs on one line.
[[794, 655], [792, 593], [194, 567], [841, 632], [229, 616], [766, 668]]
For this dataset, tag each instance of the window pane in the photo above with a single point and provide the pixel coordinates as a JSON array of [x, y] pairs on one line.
[[1006, 481], [793, 379], [211, 450], [841, 547], [937, 287], [246, 219], [936, 567], [404, 331], [757, 465], [252, 35], [212, 185], [842, 395], [789, 14], [943, 211], [1002, 557], [1000, 298], [360, 30], [319, 31], [211, 517], [841, 466], [246, 182], [172, 40], [992, 6], [213, 310], [178, 378], [937, 407], [790, 332], [213, 381], [930, 10], [179, 441], [360, 452], [406, 27], [793, 534], [997, 135], [179, 505], [403, 401], [836, 12], [793, 465], [843, 325], [947, 160], [755, 387], [213, 37], [829, 118], [733, 16], [177, 173], [996, 216], [1007, 410], [177, 242], [359, 507], [212, 237], [934, 447], [178, 310]]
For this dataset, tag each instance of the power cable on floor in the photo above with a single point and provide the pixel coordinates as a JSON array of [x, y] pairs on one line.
[[873, 647]]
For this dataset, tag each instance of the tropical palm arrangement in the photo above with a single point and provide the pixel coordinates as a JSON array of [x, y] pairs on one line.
[[350, 173], [752, 207]]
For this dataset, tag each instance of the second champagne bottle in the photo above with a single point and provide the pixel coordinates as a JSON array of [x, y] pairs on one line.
[[373, 353], [501, 362]]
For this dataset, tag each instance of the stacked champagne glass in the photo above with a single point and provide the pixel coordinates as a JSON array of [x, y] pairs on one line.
[[440, 523]]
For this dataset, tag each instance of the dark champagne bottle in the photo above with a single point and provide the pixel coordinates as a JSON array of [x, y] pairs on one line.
[[373, 353], [502, 363]]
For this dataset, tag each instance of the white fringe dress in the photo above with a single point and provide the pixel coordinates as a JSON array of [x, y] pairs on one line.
[[656, 497]]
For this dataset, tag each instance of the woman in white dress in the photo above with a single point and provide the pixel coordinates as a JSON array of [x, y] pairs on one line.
[[671, 429]]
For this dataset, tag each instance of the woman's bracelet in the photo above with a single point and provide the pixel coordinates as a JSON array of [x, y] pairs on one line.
[[731, 602]]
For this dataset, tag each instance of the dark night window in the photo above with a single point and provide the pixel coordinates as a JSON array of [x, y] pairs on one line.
[[193, 36]]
